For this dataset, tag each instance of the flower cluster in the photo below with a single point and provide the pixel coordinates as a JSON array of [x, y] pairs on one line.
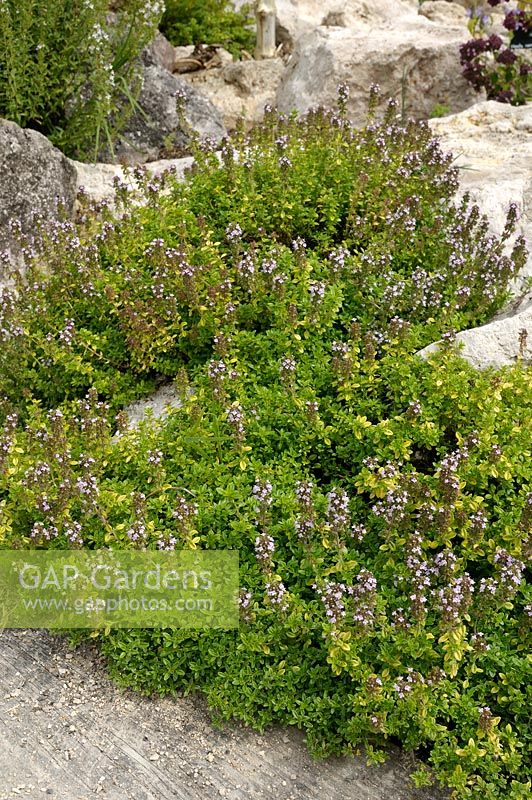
[[489, 64], [393, 508], [455, 598], [245, 599], [364, 594], [262, 494], [338, 511], [287, 370], [7, 437], [305, 521], [404, 685], [341, 362], [277, 594], [235, 419], [332, 595], [264, 549]]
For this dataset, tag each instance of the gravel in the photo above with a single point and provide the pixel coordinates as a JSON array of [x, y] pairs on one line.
[[67, 732]]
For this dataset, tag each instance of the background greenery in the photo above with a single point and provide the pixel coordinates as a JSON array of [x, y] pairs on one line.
[[67, 73], [209, 22]]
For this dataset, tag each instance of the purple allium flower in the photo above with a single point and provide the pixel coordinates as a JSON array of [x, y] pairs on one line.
[[516, 19], [495, 42], [469, 50]]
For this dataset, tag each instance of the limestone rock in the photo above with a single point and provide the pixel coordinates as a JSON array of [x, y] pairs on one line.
[[157, 128], [241, 88], [417, 60], [35, 179], [493, 147], [97, 179], [492, 143], [297, 17], [159, 53], [156, 407], [445, 13], [497, 344]]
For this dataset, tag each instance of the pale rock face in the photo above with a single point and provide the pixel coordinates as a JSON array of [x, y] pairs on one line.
[[35, 179], [147, 134], [154, 408], [493, 147], [413, 60], [296, 17], [492, 143], [445, 13], [239, 89], [159, 52], [497, 344], [97, 179]]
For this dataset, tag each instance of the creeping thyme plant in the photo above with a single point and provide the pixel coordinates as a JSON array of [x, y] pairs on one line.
[[381, 503], [68, 71], [498, 66]]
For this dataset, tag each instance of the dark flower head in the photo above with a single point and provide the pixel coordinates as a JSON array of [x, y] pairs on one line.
[[469, 50], [505, 97], [495, 42], [517, 19], [506, 56]]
